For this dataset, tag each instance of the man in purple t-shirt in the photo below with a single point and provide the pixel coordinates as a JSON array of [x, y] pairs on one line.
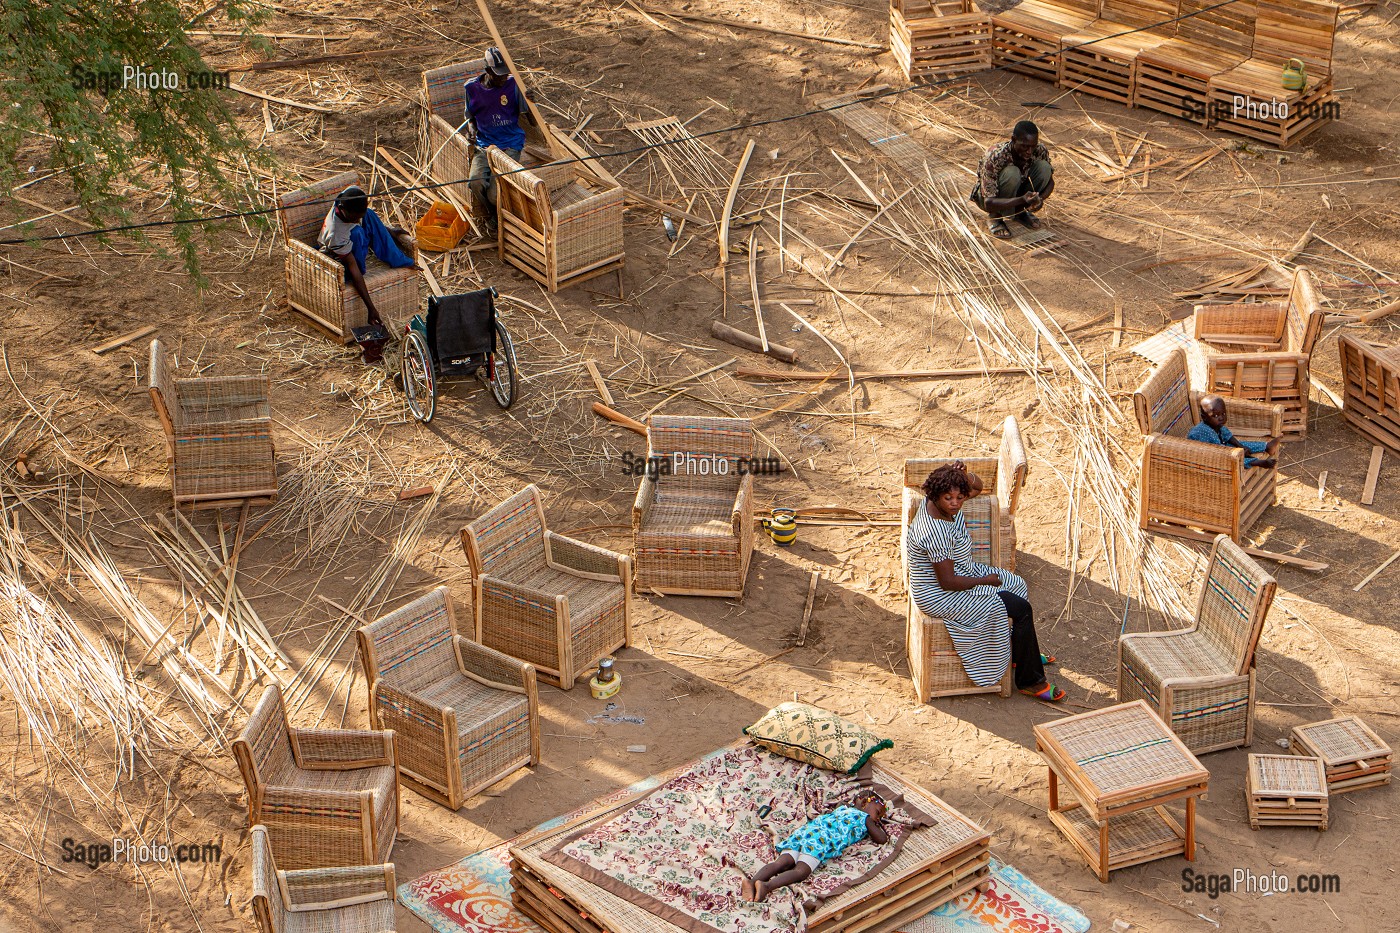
[[494, 107]]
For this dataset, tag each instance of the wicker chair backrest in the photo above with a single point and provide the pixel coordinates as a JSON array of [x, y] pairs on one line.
[[413, 644], [982, 516], [1235, 598], [1139, 12], [1163, 403], [1303, 29], [1011, 466], [304, 211], [704, 453], [162, 388], [509, 539], [1229, 28], [266, 742], [913, 9], [445, 89], [267, 894], [1305, 314]]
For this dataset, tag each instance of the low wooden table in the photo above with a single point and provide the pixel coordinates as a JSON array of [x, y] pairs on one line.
[[1355, 757], [1286, 790], [1123, 765]]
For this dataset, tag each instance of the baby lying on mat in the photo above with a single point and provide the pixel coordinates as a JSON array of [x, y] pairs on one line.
[[820, 840]]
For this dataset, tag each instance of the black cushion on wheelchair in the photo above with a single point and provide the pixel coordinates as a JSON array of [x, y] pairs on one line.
[[460, 326]]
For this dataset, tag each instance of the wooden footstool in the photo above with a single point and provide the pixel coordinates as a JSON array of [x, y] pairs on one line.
[[1287, 790], [1355, 757], [1123, 764]]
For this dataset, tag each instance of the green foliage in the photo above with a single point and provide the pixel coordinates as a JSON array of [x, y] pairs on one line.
[[62, 67]]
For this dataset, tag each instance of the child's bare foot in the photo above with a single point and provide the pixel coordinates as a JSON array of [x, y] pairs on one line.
[[747, 889], [760, 892]]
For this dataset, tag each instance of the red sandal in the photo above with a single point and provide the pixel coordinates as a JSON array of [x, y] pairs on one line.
[[1049, 693]]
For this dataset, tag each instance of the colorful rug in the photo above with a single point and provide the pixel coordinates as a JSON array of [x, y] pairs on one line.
[[473, 896]]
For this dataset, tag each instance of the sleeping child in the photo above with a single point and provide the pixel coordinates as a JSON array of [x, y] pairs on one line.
[[820, 840]]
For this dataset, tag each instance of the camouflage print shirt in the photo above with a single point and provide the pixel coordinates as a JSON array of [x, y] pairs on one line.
[[997, 158]]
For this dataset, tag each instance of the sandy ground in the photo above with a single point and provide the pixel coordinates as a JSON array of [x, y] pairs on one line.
[[1326, 650]]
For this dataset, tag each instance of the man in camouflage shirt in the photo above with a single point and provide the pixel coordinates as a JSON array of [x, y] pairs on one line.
[[1014, 179]]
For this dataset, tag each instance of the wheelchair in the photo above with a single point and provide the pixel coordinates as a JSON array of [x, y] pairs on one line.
[[460, 336]]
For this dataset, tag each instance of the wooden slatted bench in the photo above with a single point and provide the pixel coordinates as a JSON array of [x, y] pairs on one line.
[[1175, 76], [1250, 99], [1098, 61], [1026, 38], [942, 38]]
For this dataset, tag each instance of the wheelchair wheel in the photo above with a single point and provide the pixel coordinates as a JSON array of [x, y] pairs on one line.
[[419, 378], [499, 373]]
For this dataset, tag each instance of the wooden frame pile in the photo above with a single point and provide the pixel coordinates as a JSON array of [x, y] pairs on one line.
[[1200, 679], [465, 716], [1286, 790], [556, 602], [1371, 389], [1123, 765], [218, 434], [940, 38], [935, 865], [1286, 332], [316, 284], [1027, 37], [1355, 757], [1186, 485]]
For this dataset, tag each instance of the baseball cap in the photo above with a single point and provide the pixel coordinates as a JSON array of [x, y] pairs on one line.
[[496, 62]]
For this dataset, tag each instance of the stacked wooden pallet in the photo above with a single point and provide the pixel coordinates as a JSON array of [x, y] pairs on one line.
[[940, 38], [1026, 38], [1175, 76], [1287, 790], [1371, 389], [1101, 58], [1355, 757]]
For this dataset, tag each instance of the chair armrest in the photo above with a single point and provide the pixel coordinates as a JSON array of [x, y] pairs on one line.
[[1259, 323], [589, 206], [1189, 454], [308, 252], [310, 889], [296, 799], [524, 605], [342, 749], [646, 495], [1253, 420], [741, 516], [409, 704], [571, 554], [491, 667]]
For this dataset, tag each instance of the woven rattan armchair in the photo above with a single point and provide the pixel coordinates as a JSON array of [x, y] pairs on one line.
[[1371, 383], [1004, 476], [556, 602], [934, 662], [218, 431], [553, 228], [328, 797], [465, 716], [693, 531], [446, 143], [351, 899], [1200, 680], [316, 284], [1285, 332], [1189, 488]]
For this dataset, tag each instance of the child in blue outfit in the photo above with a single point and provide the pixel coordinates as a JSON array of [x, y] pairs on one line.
[[820, 840], [1212, 430]]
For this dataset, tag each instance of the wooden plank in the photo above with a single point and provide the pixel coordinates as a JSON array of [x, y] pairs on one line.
[[1374, 573], [618, 417], [738, 338], [599, 384], [753, 288], [1373, 473], [125, 339], [724, 226], [807, 610], [316, 108], [897, 374]]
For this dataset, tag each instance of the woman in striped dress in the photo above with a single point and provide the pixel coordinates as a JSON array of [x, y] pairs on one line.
[[972, 599]]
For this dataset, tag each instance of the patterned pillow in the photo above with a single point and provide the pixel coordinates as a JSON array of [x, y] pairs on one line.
[[815, 736]]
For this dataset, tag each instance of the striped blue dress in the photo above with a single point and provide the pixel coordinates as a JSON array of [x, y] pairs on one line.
[[976, 618]]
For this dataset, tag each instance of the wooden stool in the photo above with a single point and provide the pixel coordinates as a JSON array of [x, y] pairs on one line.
[[1123, 764], [1287, 790], [1355, 757]]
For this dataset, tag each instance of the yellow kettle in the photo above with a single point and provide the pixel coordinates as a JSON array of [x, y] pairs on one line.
[[1295, 75], [782, 527]]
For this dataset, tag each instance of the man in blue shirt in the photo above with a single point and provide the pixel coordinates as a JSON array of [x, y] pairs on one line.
[[1212, 430], [494, 108]]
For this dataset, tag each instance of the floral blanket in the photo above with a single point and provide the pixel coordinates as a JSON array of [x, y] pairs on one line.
[[682, 851]]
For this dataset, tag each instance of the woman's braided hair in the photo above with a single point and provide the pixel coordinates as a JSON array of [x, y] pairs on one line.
[[945, 478]]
